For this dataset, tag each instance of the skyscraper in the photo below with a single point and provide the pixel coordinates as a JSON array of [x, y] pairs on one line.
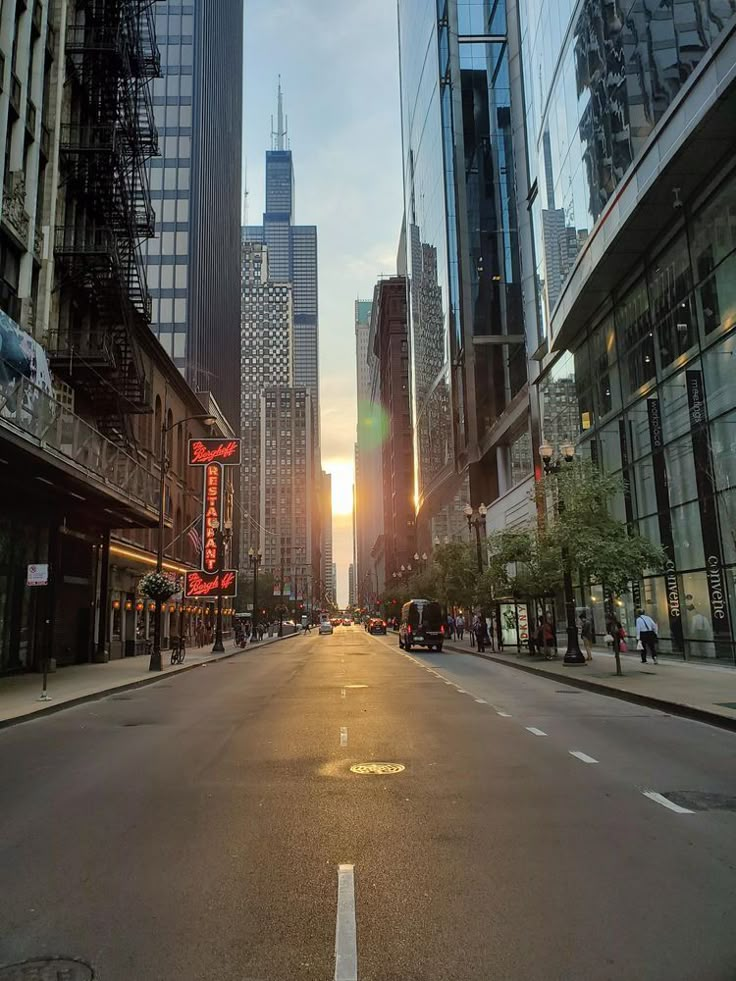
[[292, 256], [287, 480], [266, 323], [463, 259], [327, 573], [192, 264]]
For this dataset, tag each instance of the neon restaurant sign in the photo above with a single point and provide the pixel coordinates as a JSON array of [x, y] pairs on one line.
[[213, 455]]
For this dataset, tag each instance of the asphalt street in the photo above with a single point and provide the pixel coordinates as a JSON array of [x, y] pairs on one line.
[[209, 827]]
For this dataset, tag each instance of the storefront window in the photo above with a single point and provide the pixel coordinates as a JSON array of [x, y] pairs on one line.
[[606, 382], [697, 624], [681, 478], [676, 419], [723, 444], [687, 537], [636, 337], [669, 290], [719, 365], [654, 601], [646, 492]]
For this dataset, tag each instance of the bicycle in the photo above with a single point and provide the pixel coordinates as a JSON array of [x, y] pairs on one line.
[[178, 651]]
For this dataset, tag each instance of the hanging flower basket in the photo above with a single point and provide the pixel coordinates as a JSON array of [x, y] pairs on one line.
[[159, 585]]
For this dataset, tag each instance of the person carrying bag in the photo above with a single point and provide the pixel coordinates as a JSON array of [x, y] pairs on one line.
[[646, 636]]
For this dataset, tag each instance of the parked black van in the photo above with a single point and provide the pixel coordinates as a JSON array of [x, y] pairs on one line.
[[422, 625]]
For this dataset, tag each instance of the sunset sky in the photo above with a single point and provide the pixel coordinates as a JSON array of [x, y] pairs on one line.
[[346, 141]]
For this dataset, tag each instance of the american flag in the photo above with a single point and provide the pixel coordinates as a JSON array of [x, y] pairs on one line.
[[195, 539]]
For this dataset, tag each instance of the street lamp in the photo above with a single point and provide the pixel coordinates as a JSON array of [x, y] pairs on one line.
[[255, 558], [222, 540], [573, 654], [208, 420], [477, 521]]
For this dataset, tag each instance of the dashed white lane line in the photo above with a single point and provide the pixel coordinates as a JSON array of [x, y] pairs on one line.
[[344, 736], [583, 757], [481, 701], [534, 731], [461, 691], [659, 799], [504, 715], [346, 941]]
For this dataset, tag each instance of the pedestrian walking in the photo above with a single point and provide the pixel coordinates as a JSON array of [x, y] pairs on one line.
[[450, 626], [586, 633], [481, 634], [617, 634], [459, 626], [545, 637], [647, 633]]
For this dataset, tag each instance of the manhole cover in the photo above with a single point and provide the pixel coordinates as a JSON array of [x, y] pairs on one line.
[[47, 970], [376, 768]]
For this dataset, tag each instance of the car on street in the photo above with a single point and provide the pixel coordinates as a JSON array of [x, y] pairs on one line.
[[376, 626], [347, 623], [326, 627], [422, 625]]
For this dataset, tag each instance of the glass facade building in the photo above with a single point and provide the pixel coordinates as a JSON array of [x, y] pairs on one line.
[[629, 110], [192, 264], [468, 368]]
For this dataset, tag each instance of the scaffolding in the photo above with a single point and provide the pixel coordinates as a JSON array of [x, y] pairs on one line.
[[108, 137]]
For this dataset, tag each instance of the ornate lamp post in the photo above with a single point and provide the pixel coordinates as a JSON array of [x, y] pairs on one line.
[[573, 654], [477, 521], [163, 460], [254, 558]]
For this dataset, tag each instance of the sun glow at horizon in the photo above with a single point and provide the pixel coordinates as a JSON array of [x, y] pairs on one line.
[[342, 475]]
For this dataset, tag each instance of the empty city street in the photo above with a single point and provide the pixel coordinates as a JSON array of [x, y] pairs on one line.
[[210, 826]]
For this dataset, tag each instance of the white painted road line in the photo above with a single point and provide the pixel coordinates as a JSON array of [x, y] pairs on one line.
[[343, 736], [346, 943], [659, 799], [582, 756], [481, 701], [535, 732], [504, 715], [461, 691]]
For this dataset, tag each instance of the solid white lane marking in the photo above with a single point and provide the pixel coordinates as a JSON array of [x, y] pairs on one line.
[[504, 715], [535, 732], [343, 736], [342, 693], [659, 799], [481, 701], [461, 691], [346, 943], [582, 756], [448, 683]]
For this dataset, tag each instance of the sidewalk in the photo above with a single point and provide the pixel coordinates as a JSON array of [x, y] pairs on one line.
[[19, 695], [699, 691]]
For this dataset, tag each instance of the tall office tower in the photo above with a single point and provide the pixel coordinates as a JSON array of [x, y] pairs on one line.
[[365, 479], [266, 331], [293, 257], [470, 403], [192, 264], [630, 200], [391, 348], [351, 585], [287, 505], [326, 567]]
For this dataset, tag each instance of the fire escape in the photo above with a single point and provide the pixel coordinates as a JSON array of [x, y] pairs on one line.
[[111, 57]]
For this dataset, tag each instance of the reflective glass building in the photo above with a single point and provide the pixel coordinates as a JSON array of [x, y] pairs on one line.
[[630, 117], [193, 262], [468, 364]]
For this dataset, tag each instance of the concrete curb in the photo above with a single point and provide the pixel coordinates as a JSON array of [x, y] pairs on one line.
[[648, 701], [129, 686]]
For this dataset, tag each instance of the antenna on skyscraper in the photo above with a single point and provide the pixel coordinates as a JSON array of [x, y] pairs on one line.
[[279, 139]]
